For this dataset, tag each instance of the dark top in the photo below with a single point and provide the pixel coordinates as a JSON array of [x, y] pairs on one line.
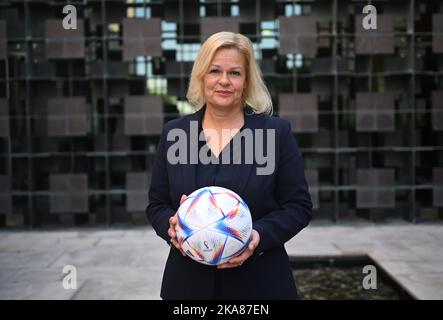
[[216, 173], [219, 172]]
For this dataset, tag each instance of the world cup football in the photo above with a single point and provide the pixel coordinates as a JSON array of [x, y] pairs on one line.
[[214, 225]]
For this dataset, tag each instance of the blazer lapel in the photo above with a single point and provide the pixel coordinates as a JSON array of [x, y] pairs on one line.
[[243, 170], [189, 170]]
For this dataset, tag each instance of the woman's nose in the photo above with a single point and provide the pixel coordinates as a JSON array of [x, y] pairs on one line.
[[224, 79]]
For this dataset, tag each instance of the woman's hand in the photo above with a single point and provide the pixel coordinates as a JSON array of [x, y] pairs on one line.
[[171, 231], [238, 261]]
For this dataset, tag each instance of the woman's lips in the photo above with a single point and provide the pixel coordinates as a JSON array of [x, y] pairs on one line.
[[224, 93]]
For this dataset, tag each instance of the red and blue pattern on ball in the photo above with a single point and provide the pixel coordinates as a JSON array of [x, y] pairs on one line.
[[220, 226]]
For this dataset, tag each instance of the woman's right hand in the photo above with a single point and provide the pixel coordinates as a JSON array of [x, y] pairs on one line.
[[171, 231]]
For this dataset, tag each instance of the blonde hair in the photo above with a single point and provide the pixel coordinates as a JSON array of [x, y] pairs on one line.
[[255, 94]]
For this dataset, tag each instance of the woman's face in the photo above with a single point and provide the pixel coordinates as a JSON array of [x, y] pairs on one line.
[[225, 79]]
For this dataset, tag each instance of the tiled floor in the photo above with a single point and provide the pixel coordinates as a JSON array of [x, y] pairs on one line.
[[128, 263]]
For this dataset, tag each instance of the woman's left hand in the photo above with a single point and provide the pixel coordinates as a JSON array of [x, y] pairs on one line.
[[238, 261]]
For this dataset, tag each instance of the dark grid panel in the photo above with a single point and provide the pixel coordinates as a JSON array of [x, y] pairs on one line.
[[67, 117], [143, 115], [180, 11], [69, 193], [5, 195], [437, 29], [375, 112], [250, 10], [4, 118], [375, 188], [379, 41], [141, 38], [301, 110], [298, 35], [437, 110], [2, 39], [64, 44], [211, 25], [175, 73], [137, 188], [437, 176], [326, 75]]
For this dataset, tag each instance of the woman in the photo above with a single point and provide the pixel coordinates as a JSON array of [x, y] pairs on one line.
[[227, 89]]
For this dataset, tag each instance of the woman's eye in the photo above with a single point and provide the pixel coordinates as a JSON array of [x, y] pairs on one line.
[[235, 73], [214, 71]]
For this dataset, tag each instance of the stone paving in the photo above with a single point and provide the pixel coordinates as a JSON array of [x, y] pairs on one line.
[[127, 263]]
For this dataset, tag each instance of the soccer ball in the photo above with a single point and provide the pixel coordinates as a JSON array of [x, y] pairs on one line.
[[214, 225]]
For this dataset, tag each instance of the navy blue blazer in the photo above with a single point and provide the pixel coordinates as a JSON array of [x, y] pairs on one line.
[[280, 206]]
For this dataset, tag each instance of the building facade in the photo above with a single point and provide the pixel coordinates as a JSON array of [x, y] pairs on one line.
[[81, 110]]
